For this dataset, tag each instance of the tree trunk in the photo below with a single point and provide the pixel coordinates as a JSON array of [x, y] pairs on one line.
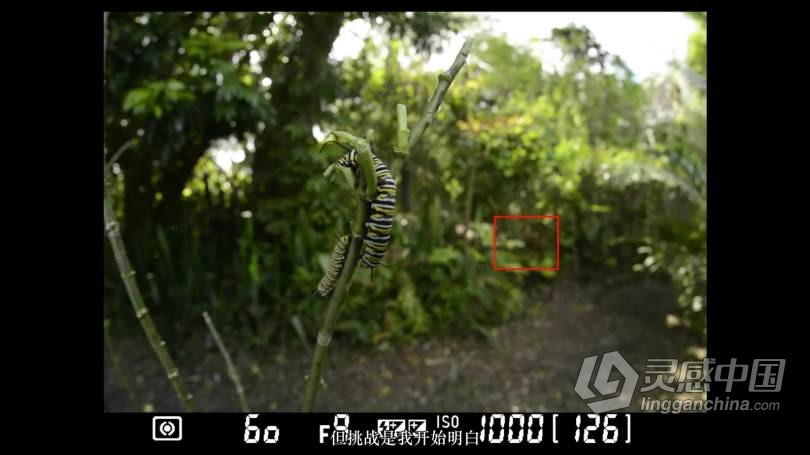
[[294, 104]]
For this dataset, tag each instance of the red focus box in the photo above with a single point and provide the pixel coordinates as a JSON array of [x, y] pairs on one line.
[[495, 241]]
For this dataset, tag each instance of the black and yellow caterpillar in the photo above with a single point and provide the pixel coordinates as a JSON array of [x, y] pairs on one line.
[[381, 220], [336, 261]]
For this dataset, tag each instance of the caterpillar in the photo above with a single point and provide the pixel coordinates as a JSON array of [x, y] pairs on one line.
[[381, 220], [336, 260]]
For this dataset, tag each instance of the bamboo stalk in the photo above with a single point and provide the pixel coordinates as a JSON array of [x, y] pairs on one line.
[[113, 230], [232, 371], [141, 311]]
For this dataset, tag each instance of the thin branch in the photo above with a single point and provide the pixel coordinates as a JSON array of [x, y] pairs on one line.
[[104, 55], [470, 192], [232, 372], [141, 312], [445, 79], [127, 145], [113, 230]]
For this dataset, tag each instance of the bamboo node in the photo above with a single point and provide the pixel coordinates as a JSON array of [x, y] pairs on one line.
[[324, 339], [111, 227]]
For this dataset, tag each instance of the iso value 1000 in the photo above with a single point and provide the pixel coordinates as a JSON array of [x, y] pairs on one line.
[[522, 428]]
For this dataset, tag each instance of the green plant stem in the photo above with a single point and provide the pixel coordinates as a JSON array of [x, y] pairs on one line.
[[369, 176], [445, 79], [127, 145], [232, 372], [363, 147], [401, 147], [328, 327], [116, 365], [358, 228], [344, 279], [104, 55], [141, 312]]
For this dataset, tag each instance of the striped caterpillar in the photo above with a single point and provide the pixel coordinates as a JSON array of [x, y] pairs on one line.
[[336, 261], [381, 220]]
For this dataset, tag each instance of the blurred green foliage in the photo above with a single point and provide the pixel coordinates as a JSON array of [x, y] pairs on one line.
[[622, 161]]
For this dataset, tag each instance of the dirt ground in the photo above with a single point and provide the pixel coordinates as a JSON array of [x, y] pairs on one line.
[[530, 364]]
